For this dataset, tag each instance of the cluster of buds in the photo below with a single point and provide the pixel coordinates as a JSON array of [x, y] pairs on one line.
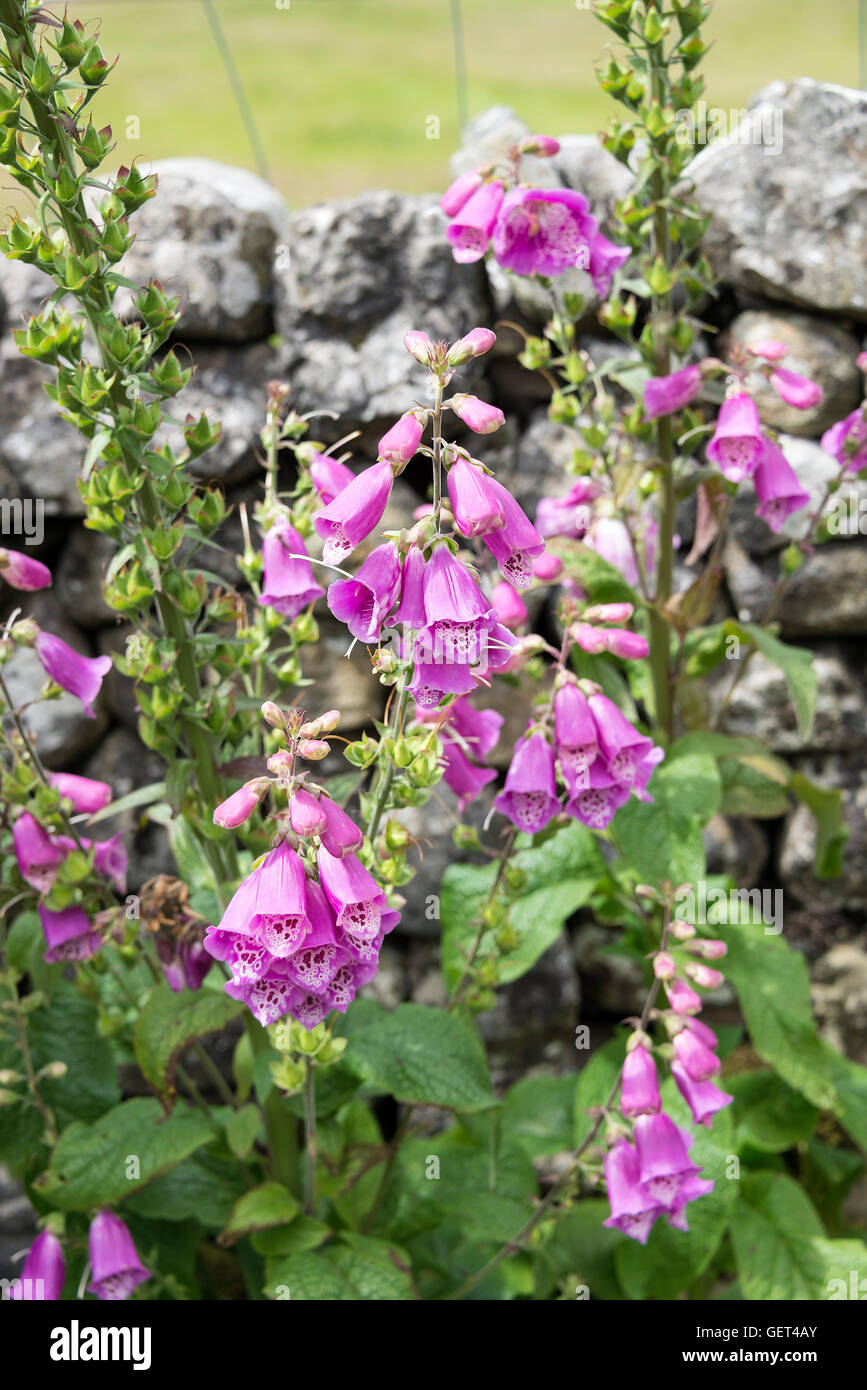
[[301, 1048]]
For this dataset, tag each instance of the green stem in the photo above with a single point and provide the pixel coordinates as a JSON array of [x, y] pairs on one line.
[[387, 777], [310, 1137], [279, 1121]]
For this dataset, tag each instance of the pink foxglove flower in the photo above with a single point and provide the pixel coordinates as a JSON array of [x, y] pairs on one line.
[[410, 610], [340, 835], [473, 344], [419, 346], [110, 859], [474, 502], [624, 749], [576, 736], [23, 572], [116, 1267], [703, 975], [516, 544], [86, 795], [459, 192], [596, 803], [81, 676], [306, 813], [476, 414], [69, 934], [363, 603], [400, 443], [543, 231], [737, 441], [530, 795], [697, 1060], [570, 515], [547, 567], [795, 390], [663, 395], [42, 1275], [609, 538], [288, 585], [469, 234], [703, 1097], [38, 855], [663, 1160], [701, 1030], [633, 1209], [682, 997], [639, 1084], [185, 963], [359, 904], [462, 776], [329, 476], [508, 606], [770, 348], [238, 807], [777, 487], [458, 616], [345, 522], [629, 646], [847, 440], [605, 258]]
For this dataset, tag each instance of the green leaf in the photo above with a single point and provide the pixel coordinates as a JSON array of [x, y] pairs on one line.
[[671, 1260], [301, 1235], [796, 664], [142, 796], [827, 807], [422, 1056], [594, 1085], [169, 1022], [774, 991], [194, 867], [780, 1248], [580, 1245], [359, 1269], [242, 1127], [561, 873], [537, 1113], [263, 1207], [850, 1095], [68, 1031], [662, 839], [121, 1152], [768, 1114], [202, 1189]]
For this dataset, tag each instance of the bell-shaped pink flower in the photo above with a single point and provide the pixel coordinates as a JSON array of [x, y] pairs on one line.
[[663, 1160], [69, 934], [401, 442], [270, 907], [86, 795], [23, 572], [340, 835], [477, 414], [475, 504], [410, 611], [663, 395], [363, 603], [516, 543], [473, 344], [329, 476], [622, 746], [682, 997], [110, 859], [769, 348], [737, 441], [796, 390], [629, 646], [459, 192], [576, 737], [38, 855], [458, 616], [596, 803], [81, 676], [469, 234], [41, 1277], [570, 515], [479, 729], [419, 346], [114, 1261], [313, 967], [530, 795], [508, 606], [703, 975], [703, 1097], [696, 1059], [356, 898], [777, 487], [544, 231], [639, 1084], [547, 567], [306, 813], [432, 681], [354, 513], [633, 1210], [609, 538], [288, 585], [605, 258], [465, 778], [847, 441], [701, 1030], [238, 807]]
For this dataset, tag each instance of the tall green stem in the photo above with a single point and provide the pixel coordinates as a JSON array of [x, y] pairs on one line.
[[280, 1125]]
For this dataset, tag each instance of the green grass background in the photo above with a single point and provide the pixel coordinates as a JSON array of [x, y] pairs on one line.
[[341, 90]]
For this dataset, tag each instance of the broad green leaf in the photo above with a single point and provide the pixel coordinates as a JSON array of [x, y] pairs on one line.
[[169, 1022], [142, 796], [537, 1113], [796, 664], [774, 991], [671, 1260], [202, 1189], [301, 1235], [850, 1095], [749, 792], [580, 1245], [121, 1152], [263, 1207], [242, 1127], [358, 1269], [662, 839], [768, 1114], [68, 1031], [194, 867], [826, 805], [561, 874], [779, 1246], [422, 1056]]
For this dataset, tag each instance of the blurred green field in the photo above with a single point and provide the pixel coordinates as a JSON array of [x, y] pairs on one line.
[[342, 90]]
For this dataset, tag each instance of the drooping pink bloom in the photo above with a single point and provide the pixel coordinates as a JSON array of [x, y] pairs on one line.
[[288, 585], [363, 603], [462, 776], [185, 963], [114, 1261], [306, 813], [340, 835], [547, 567], [570, 515], [622, 746], [589, 638], [605, 258], [41, 1277], [86, 795], [769, 348], [432, 680], [345, 522], [847, 440], [357, 901], [69, 934], [709, 949], [459, 192], [410, 611], [473, 344], [469, 234], [508, 606], [701, 1030], [329, 476], [478, 728], [682, 997], [38, 855], [704, 976], [796, 390], [477, 414], [663, 395], [609, 538], [696, 1059], [475, 504], [419, 346], [458, 615], [530, 795], [400, 443], [576, 736], [663, 1161], [639, 1084], [23, 572], [238, 807], [664, 965], [609, 612], [312, 968], [542, 145], [633, 1209], [629, 646], [596, 804], [81, 676], [516, 543], [110, 859], [777, 487], [543, 231], [268, 912], [737, 441], [703, 1097]]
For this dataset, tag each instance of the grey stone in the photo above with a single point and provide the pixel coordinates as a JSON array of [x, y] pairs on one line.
[[338, 683], [819, 349], [827, 596], [761, 706], [211, 235], [792, 225], [839, 993], [40, 450], [737, 847], [488, 139], [25, 291], [797, 848], [229, 386], [79, 578], [816, 470], [614, 984]]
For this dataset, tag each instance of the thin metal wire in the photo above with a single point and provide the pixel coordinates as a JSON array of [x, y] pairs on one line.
[[237, 88]]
